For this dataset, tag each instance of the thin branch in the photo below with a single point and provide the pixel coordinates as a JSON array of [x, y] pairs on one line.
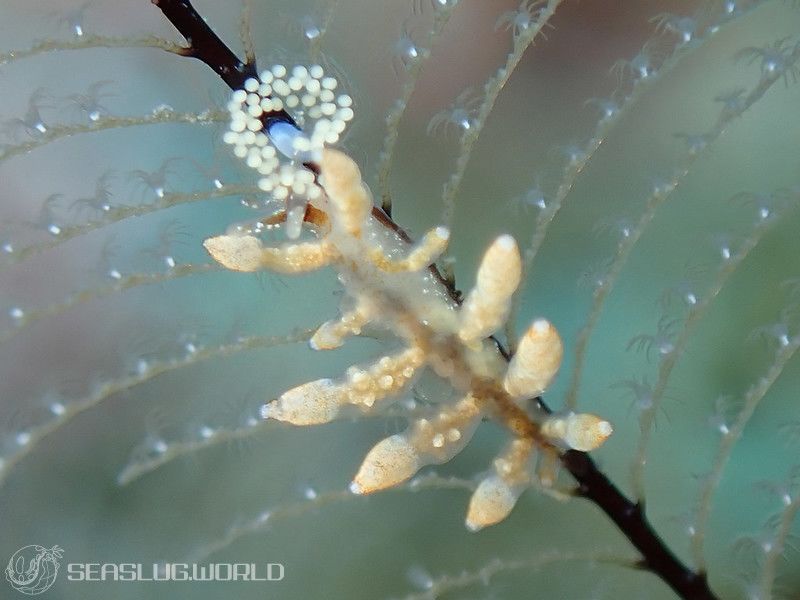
[[449, 583], [116, 285], [109, 389], [246, 32], [91, 41], [523, 38], [160, 115], [119, 213], [395, 114], [268, 517], [169, 451], [752, 399], [770, 566]]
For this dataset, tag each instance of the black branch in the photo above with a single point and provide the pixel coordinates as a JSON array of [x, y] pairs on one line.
[[632, 521], [205, 45], [593, 484]]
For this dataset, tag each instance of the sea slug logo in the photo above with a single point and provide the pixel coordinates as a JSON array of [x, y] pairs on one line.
[[33, 569]]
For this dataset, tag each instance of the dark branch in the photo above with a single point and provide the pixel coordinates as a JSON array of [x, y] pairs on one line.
[[631, 520], [593, 485], [204, 43]]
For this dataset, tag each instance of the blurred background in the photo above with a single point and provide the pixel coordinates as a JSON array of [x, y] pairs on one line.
[[131, 373]]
